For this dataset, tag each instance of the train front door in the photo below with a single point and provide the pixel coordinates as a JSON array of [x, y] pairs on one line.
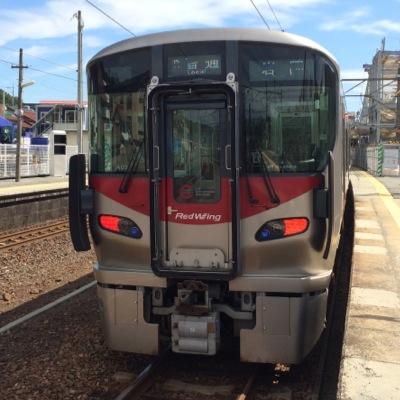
[[194, 228]]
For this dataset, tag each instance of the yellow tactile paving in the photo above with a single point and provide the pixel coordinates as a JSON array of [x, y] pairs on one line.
[[386, 197], [31, 188]]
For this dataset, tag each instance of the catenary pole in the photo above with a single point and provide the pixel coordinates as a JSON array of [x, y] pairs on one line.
[[20, 112]]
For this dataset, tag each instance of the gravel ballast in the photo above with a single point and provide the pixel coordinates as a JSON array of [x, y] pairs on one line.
[[31, 272], [61, 354]]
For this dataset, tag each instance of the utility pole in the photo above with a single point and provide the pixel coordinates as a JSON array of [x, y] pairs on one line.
[[80, 106], [20, 112]]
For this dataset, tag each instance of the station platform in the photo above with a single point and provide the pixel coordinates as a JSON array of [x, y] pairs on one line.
[[8, 187], [370, 367], [32, 200]]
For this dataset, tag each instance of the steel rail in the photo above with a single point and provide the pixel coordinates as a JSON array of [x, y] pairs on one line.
[[33, 234], [40, 310], [143, 381], [245, 395]]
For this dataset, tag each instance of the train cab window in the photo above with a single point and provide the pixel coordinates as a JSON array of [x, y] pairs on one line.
[[289, 98], [117, 132], [117, 87]]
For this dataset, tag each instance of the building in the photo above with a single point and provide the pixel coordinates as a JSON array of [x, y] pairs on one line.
[[380, 115], [62, 115], [28, 118]]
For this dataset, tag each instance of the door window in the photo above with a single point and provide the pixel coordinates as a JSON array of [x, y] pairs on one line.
[[196, 155]]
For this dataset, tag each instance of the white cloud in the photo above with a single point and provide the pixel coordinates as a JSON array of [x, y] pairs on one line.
[[356, 21], [93, 41], [353, 73], [345, 20], [37, 51], [53, 18]]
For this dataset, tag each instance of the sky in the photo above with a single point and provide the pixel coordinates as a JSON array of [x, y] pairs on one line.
[[352, 30]]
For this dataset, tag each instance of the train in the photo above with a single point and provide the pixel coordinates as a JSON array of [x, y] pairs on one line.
[[217, 185]]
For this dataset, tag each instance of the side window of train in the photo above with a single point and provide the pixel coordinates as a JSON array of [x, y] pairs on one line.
[[288, 108]]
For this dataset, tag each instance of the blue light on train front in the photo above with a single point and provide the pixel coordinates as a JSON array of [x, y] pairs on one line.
[[264, 234], [135, 232]]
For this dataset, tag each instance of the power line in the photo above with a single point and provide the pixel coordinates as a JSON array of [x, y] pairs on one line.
[[276, 18], [43, 72], [52, 73], [110, 17], [41, 59], [265, 22], [6, 62]]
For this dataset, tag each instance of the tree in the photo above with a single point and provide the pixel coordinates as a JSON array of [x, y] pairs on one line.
[[9, 99]]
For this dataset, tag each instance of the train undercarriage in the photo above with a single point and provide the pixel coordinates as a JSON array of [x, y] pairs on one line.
[[198, 317]]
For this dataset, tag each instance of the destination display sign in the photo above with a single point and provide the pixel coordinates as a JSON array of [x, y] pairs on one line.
[[271, 70], [201, 65]]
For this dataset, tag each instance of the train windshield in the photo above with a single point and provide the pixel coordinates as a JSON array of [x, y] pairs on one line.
[[288, 98], [116, 100], [288, 102]]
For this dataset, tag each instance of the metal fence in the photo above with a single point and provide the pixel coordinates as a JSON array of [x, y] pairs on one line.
[[34, 160], [381, 160]]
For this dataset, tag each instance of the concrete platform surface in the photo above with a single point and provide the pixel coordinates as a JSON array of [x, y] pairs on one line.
[[370, 367], [9, 187], [392, 184]]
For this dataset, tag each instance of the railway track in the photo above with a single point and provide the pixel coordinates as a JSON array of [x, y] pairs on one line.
[[163, 379], [170, 377], [32, 234]]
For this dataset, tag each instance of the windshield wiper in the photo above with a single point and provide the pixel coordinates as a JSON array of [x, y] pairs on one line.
[[252, 200], [268, 182], [131, 169]]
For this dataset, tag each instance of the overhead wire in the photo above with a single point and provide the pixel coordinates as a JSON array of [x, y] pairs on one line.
[[41, 71], [259, 13], [6, 62], [124, 27], [40, 58], [110, 17], [51, 73], [276, 18]]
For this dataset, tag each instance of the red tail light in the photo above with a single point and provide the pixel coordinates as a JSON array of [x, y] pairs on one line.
[[123, 226], [294, 226], [279, 228], [109, 222]]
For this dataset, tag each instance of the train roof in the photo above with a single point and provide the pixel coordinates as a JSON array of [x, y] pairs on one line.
[[213, 34]]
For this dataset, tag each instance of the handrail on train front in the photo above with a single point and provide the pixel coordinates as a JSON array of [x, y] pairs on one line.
[[331, 191]]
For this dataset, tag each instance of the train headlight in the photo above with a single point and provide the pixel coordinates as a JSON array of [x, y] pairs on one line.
[[279, 228], [123, 226]]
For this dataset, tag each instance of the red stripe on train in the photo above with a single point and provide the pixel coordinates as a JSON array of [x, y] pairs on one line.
[[254, 197]]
